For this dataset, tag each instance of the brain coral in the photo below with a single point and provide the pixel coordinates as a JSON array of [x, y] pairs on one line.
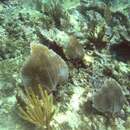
[[44, 67]]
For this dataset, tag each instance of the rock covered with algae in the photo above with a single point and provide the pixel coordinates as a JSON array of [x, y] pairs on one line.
[[44, 67]]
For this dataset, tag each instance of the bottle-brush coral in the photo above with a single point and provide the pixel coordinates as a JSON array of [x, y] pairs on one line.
[[39, 109], [44, 67]]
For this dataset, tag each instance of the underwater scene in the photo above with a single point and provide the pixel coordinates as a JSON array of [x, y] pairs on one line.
[[64, 64]]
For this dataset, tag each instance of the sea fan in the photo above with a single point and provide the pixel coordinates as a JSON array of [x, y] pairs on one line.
[[109, 98], [44, 67]]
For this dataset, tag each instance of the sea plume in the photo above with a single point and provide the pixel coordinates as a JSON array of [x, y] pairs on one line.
[[37, 109]]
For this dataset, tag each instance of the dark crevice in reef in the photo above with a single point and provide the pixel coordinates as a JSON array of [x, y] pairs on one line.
[[51, 45], [121, 51]]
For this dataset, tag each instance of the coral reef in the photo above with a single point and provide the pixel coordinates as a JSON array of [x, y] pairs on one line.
[[97, 28], [102, 9], [51, 42], [12, 48], [110, 15]]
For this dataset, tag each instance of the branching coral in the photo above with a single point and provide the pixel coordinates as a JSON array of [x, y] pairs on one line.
[[54, 9], [97, 36], [39, 109]]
